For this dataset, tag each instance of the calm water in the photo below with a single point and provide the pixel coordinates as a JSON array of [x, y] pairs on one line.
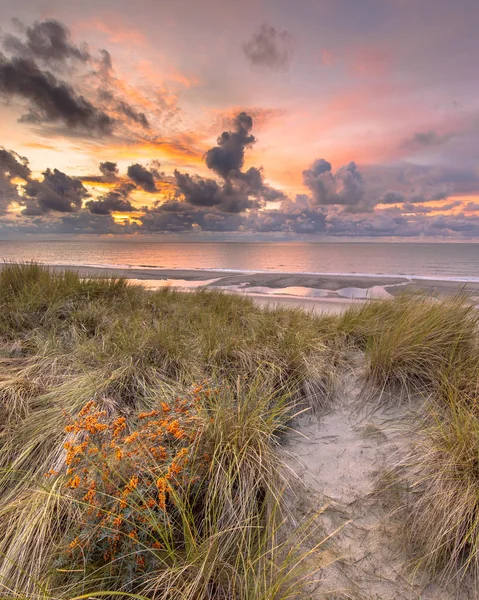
[[451, 261]]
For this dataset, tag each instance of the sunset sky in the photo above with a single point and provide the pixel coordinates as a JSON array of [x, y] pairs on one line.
[[239, 117]]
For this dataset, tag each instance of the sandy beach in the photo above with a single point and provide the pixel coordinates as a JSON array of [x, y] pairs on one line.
[[313, 292]]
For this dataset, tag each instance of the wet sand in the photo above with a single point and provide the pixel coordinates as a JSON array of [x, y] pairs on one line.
[[225, 278], [277, 280], [315, 292]]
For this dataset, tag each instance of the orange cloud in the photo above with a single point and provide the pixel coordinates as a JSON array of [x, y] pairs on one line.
[[114, 28], [123, 218], [98, 184], [39, 146], [182, 149], [167, 72]]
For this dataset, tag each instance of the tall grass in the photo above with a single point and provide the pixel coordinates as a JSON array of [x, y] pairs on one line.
[[428, 348], [414, 342], [217, 528], [66, 342]]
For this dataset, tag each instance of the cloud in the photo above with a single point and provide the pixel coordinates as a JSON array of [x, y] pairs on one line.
[[133, 115], [50, 100], [198, 191], [116, 200], [142, 177], [109, 169], [109, 174], [57, 192], [345, 187], [228, 155], [410, 207], [427, 139], [48, 41], [11, 166], [31, 74], [238, 191], [227, 197], [269, 48]]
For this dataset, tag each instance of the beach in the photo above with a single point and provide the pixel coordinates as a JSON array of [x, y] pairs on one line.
[[320, 293]]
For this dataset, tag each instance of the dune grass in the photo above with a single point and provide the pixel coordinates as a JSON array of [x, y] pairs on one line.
[[139, 434], [443, 468], [414, 342], [68, 344]]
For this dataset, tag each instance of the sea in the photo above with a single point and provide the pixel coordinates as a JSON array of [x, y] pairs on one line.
[[449, 261]]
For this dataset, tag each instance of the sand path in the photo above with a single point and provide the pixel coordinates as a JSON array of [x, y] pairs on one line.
[[341, 459]]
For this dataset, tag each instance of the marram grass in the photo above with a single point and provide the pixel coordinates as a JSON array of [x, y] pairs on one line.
[[139, 434], [119, 474]]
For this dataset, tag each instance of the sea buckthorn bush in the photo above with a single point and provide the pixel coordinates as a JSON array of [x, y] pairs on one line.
[[124, 476]]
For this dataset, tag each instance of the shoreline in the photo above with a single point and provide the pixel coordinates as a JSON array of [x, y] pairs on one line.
[[320, 293], [155, 269], [274, 280]]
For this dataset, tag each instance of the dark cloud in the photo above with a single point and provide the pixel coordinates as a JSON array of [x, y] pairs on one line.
[[106, 63], [239, 191], [455, 224], [86, 223], [198, 191], [411, 184], [133, 115], [50, 100], [269, 48], [109, 169], [227, 197], [142, 177], [11, 165], [345, 187], [109, 173], [228, 155], [427, 138], [410, 207], [116, 200], [49, 41], [182, 217], [57, 192]]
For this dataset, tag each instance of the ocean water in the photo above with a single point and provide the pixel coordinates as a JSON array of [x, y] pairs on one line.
[[455, 261]]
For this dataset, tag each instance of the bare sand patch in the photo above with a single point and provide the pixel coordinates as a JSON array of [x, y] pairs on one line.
[[343, 460]]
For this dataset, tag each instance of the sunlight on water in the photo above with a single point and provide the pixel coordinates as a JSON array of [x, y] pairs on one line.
[[450, 261]]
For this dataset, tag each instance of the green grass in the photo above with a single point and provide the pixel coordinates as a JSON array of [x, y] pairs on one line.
[[66, 341]]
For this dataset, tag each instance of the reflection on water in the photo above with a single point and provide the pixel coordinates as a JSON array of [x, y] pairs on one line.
[[419, 259], [374, 292], [180, 284], [296, 290]]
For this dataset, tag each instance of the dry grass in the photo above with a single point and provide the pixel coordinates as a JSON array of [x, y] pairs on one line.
[[413, 342], [65, 342]]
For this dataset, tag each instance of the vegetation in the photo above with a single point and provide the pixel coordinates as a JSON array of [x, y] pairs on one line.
[[138, 434], [426, 349], [137, 439]]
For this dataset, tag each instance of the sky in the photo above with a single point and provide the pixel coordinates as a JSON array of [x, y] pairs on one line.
[[224, 117]]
